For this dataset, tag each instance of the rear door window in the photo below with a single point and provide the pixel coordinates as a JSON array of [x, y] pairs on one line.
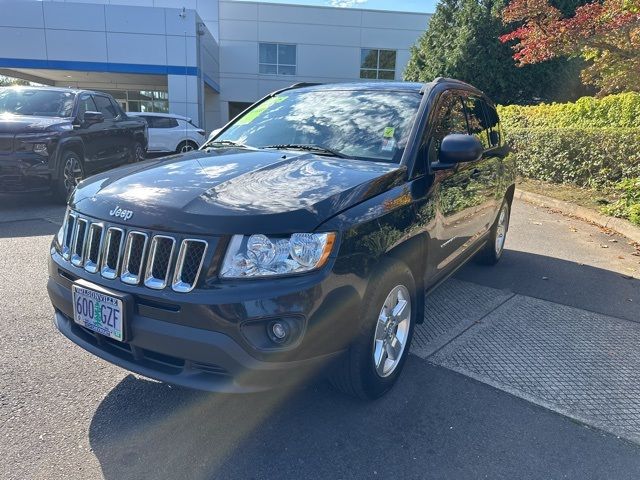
[[162, 122]]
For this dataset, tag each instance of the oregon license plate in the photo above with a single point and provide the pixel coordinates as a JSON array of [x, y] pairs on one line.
[[98, 312]]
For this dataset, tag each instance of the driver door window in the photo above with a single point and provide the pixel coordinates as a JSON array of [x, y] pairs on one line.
[[449, 119]]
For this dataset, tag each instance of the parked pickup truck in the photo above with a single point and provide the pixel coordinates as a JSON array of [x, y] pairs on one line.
[[51, 138], [299, 240]]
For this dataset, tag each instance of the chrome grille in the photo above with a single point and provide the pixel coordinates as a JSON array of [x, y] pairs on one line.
[[79, 240], [94, 247], [159, 263], [134, 250], [190, 260], [112, 253], [133, 256], [67, 241]]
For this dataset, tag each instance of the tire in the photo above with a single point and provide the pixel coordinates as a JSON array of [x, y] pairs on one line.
[[137, 153], [493, 250], [70, 173], [361, 373], [186, 146]]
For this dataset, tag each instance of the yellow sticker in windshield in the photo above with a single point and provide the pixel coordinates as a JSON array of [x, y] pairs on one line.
[[259, 110], [389, 132]]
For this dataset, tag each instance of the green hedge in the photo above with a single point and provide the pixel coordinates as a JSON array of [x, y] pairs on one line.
[[621, 111], [590, 157]]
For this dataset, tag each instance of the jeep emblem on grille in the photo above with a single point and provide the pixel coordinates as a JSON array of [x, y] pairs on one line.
[[123, 214]]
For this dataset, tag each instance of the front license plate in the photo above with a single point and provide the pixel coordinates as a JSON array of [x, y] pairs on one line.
[[98, 312]]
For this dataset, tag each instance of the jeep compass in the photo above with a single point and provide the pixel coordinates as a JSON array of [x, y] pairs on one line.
[[299, 240]]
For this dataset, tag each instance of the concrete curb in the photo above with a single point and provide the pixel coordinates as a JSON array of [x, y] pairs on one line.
[[623, 227]]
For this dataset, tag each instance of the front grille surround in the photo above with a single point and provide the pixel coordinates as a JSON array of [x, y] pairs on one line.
[[79, 242], [159, 262], [112, 253], [67, 239], [133, 256], [94, 248], [180, 283]]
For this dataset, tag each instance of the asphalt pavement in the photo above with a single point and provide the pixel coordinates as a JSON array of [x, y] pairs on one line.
[[66, 414]]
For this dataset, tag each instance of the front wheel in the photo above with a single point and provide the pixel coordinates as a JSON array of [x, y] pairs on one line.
[[70, 173], [137, 153], [492, 252], [377, 356]]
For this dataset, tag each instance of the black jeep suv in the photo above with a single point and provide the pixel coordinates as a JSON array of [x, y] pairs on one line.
[[302, 236], [55, 137]]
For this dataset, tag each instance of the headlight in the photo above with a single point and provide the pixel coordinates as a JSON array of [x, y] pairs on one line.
[[263, 256]]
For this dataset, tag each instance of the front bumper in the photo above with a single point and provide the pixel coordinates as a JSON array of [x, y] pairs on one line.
[[210, 352], [24, 172]]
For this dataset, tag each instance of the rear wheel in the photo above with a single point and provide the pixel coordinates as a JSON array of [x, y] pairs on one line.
[[186, 146], [377, 356], [492, 252], [70, 173]]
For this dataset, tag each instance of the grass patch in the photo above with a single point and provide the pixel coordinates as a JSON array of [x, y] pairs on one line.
[[583, 196]]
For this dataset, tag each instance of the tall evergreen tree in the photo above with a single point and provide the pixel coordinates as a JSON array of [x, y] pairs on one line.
[[462, 41]]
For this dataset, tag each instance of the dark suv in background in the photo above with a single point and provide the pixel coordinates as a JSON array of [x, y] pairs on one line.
[[54, 137]]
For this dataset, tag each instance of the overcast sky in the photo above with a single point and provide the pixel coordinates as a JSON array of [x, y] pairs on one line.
[[401, 5]]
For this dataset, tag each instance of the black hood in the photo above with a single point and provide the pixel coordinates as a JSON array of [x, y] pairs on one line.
[[234, 191], [18, 124]]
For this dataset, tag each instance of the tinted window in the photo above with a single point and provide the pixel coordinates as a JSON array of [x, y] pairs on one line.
[[450, 118], [493, 124], [378, 64], [477, 119], [86, 104], [162, 122], [362, 124], [277, 59], [105, 106], [36, 102]]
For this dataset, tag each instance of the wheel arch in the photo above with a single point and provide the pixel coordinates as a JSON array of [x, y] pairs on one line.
[[74, 144]]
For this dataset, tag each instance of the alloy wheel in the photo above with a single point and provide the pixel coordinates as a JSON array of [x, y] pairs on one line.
[[392, 331], [72, 173], [501, 229]]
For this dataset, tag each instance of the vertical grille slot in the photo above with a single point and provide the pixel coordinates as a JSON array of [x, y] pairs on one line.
[[159, 263], [134, 250], [94, 247], [67, 241], [189, 264], [113, 243], [79, 240]]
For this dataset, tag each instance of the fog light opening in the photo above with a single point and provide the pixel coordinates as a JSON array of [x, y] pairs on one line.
[[279, 332]]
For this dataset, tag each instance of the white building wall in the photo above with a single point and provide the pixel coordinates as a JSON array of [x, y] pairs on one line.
[[329, 43]]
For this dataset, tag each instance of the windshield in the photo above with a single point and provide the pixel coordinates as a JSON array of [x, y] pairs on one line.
[[36, 102], [371, 125]]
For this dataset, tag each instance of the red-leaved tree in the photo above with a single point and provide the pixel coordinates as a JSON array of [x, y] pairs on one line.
[[606, 33]]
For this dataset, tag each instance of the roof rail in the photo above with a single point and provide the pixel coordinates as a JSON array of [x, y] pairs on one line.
[[303, 84]]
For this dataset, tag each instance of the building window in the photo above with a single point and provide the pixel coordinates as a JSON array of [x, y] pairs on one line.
[[277, 59], [141, 101], [378, 64]]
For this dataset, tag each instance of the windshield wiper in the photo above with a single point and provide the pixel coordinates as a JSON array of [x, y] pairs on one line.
[[226, 143], [308, 147]]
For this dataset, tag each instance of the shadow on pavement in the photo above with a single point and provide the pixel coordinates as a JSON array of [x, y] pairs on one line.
[[560, 281], [434, 424], [27, 228]]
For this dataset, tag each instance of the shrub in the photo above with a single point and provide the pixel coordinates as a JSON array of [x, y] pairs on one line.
[[621, 110], [589, 157], [628, 206]]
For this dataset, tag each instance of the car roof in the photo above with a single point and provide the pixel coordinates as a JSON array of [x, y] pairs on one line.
[[57, 89], [156, 114]]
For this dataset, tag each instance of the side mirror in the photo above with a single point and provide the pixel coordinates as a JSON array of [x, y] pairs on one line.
[[93, 117], [458, 148]]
